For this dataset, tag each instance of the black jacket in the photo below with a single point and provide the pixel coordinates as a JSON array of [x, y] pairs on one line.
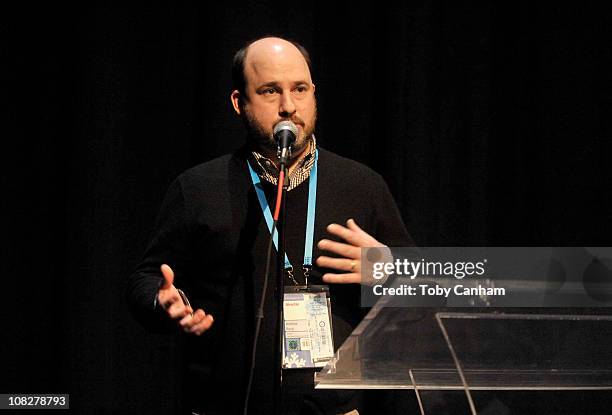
[[211, 231]]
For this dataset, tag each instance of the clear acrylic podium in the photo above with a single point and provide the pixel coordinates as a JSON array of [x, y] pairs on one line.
[[472, 350]]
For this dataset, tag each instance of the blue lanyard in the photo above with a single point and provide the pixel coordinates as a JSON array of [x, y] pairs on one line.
[[310, 218]]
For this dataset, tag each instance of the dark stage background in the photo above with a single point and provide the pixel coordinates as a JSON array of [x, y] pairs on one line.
[[490, 122]]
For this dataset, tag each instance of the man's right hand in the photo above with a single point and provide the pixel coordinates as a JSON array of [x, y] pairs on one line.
[[170, 300]]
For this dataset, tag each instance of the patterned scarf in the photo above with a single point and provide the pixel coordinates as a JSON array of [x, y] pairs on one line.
[[267, 169]]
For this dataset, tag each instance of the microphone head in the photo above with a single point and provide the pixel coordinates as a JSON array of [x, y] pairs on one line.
[[284, 127], [285, 133]]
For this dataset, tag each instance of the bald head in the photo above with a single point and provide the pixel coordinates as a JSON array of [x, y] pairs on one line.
[[266, 50], [271, 45]]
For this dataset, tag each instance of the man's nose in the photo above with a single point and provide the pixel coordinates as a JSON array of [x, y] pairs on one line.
[[287, 107]]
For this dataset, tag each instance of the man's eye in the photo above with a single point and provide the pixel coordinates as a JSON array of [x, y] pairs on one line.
[[269, 91], [301, 89]]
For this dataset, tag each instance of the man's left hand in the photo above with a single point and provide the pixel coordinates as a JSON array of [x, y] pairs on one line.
[[350, 252]]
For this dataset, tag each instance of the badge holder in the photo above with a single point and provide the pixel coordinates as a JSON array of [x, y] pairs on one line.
[[307, 330]]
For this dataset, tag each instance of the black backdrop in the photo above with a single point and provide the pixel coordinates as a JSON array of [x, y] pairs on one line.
[[489, 122]]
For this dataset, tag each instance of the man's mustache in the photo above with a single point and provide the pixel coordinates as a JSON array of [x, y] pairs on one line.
[[296, 120]]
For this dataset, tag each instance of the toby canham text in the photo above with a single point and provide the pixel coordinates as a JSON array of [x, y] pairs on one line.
[[437, 290]]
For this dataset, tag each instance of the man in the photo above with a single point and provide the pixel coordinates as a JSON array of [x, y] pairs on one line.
[[211, 241]]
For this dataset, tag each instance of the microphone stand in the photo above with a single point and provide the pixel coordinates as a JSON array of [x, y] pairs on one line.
[[280, 290]]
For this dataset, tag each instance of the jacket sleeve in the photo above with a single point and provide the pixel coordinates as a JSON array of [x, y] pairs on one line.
[[169, 244], [389, 226]]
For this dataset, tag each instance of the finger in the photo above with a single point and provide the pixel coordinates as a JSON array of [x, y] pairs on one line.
[[353, 234], [368, 240], [168, 276], [203, 325], [344, 250], [352, 278], [178, 310], [340, 264], [166, 298], [351, 224], [192, 319], [350, 236]]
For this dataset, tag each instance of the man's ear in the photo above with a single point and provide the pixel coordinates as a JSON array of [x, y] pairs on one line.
[[235, 98], [314, 88]]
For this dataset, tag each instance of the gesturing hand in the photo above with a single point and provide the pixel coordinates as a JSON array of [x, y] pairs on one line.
[[350, 252], [169, 298]]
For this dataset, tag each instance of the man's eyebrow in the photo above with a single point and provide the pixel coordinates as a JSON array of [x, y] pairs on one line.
[[276, 83], [271, 83]]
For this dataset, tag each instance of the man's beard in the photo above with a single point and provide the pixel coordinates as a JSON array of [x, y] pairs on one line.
[[264, 141]]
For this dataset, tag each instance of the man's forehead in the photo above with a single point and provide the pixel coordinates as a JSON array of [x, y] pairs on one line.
[[271, 57]]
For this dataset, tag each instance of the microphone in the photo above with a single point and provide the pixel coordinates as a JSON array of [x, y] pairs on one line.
[[285, 133]]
